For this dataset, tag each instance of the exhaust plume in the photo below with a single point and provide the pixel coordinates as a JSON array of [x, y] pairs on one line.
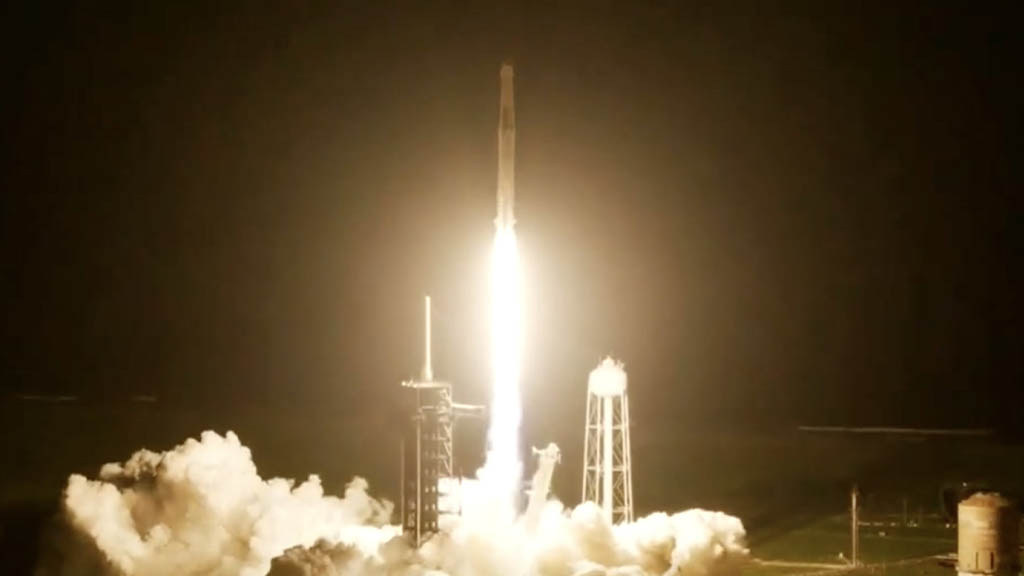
[[202, 509], [502, 469]]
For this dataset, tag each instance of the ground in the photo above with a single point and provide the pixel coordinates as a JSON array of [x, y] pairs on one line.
[[884, 545]]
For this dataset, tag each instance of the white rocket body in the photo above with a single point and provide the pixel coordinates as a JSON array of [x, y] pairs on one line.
[[506, 152]]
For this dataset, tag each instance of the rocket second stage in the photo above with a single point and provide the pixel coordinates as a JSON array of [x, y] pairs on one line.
[[506, 152]]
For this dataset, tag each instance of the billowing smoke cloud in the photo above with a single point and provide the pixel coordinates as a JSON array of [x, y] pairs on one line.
[[202, 508]]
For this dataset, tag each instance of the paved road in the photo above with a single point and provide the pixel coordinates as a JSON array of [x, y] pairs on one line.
[[824, 569]]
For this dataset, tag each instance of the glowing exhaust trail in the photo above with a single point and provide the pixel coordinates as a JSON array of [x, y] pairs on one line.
[[503, 469]]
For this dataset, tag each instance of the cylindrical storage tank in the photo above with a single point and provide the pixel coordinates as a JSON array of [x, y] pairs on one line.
[[608, 379], [988, 535]]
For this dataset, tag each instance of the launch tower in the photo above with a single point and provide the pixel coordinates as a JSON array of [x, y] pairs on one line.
[[428, 471]]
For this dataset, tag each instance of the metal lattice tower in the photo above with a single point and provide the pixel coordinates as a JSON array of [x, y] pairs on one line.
[[607, 469], [430, 462]]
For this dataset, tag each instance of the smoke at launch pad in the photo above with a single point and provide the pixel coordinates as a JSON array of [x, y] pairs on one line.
[[202, 508]]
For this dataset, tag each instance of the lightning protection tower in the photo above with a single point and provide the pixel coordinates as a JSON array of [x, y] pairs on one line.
[[607, 470]]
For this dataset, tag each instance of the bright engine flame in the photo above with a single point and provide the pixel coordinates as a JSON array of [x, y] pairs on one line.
[[503, 469]]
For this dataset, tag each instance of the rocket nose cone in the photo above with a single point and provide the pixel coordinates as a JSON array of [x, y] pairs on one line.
[[506, 68]]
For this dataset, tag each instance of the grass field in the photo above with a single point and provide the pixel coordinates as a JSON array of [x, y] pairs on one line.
[[824, 540]]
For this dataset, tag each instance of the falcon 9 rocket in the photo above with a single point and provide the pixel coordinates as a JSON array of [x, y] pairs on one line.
[[502, 470], [506, 152]]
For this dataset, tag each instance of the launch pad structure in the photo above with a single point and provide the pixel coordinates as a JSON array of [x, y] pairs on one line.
[[427, 449]]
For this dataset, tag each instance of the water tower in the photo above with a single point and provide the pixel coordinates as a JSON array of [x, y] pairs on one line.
[[988, 536], [607, 471]]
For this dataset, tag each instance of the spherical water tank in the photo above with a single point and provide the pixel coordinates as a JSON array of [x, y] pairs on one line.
[[988, 534], [608, 379]]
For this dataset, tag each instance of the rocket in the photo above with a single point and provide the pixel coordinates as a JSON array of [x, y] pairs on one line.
[[506, 152]]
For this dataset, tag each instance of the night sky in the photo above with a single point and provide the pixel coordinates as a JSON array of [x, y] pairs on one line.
[[774, 213]]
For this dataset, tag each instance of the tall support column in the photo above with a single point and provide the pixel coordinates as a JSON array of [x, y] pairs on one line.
[[401, 480], [627, 458], [419, 480], [607, 463], [854, 528], [428, 369], [587, 483]]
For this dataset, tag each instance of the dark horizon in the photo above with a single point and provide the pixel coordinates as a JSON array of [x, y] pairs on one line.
[[801, 214]]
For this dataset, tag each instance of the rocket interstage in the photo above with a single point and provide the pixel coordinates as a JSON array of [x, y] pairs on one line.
[[506, 151]]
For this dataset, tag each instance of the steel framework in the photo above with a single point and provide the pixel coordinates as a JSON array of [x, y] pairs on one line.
[[607, 468], [431, 432]]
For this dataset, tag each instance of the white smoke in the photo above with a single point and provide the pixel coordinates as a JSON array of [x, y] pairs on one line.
[[202, 508]]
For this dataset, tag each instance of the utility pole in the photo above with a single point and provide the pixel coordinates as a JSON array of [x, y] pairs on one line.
[[854, 528]]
